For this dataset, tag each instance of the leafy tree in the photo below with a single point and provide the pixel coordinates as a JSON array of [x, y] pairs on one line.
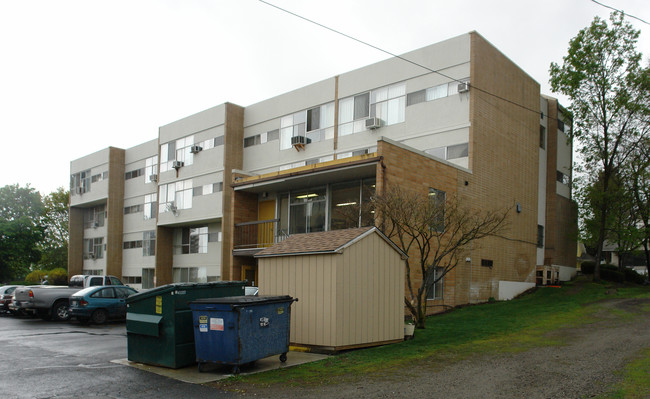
[[21, 230], [602, 76], [54, 248], [435, 232]]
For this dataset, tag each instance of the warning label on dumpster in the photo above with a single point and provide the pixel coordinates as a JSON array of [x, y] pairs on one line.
[[158, 305], [216, 324], [203, 327], [203, 320]]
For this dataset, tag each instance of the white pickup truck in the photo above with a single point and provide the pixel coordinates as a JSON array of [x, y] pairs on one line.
[[51, 301]]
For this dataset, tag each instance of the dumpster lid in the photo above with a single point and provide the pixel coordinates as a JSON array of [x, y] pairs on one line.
[[163, 289], [245, 300]]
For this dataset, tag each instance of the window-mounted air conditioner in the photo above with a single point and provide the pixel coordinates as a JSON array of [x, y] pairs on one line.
[[153, 178], [90, 256], [463, 87], [77, 190], [195, 149], [95, 224], [300, 140], [373, 123], [177, 164]]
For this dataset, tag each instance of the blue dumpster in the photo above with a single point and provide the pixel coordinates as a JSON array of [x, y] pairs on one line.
[[241, 329]]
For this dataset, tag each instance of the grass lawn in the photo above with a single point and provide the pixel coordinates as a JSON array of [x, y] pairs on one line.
[[515, 325]]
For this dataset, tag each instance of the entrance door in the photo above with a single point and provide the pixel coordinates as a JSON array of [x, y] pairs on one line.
[[249, 273], [265, 236]]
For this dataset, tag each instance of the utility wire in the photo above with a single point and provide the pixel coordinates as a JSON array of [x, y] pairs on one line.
[[402, 58], [621, 11]]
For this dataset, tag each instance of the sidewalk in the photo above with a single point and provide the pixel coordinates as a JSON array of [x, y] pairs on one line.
[[215, 372]]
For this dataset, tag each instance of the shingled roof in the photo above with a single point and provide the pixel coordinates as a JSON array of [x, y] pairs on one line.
[[333, 241]]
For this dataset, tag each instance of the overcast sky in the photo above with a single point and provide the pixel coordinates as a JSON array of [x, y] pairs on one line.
[[79, 76]]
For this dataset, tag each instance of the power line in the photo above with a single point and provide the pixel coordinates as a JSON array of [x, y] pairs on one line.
[[621, 11], [402, 58]]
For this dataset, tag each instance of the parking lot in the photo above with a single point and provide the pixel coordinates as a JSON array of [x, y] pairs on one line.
[[41, 359]]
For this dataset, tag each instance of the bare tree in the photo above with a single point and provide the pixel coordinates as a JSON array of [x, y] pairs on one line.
[[435, 231]]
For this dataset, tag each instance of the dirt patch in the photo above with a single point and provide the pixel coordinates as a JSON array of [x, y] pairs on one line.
[[586, 364]]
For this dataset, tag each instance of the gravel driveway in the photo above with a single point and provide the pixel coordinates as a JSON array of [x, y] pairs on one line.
[[585, 365]]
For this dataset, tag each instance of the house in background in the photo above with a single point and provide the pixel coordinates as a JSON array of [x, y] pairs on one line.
[[218, 187]]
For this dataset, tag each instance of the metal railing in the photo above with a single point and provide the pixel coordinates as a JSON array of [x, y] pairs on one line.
[[258, 234]]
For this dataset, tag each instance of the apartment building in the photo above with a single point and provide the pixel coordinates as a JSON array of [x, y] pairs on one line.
[[215, 188]]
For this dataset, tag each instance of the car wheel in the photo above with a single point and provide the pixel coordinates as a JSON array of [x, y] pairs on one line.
[[60, 311], [99, 316]]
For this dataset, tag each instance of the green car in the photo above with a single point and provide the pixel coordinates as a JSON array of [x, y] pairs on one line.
[[99, 304]]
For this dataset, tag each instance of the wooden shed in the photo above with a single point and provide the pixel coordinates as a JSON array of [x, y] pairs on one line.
[[350, 286]]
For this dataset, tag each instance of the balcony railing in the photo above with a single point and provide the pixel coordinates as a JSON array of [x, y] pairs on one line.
[[258, 234]]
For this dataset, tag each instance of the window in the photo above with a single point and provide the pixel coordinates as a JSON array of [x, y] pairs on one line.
[[307, 211], [132, 279], [217, 187], [149, 243], [133, 209], [176, 195], [133, 174], [178, 150], [450, 152], [437, 287], [542, 137], [104, 293], [80, 182], [150, 168], [148, 277], [218, 141], [316, 124], [98, 177], [560, 125], [92, 272], [386, 103], [132, 244], [458, 151], [540, 236], [94, 248], [94, 217], [190, 274], [350, 204], [416, 97], [150, 202], [562, 178], [487, 263], [438, 200], [191, 240]]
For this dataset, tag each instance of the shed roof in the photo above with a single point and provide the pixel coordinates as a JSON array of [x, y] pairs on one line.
[[333, 241]]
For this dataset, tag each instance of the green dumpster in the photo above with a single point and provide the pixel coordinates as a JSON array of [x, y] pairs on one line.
[[159, 321]]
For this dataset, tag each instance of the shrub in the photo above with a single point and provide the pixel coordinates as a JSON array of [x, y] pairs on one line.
[[612, 275], [35, 277], [587, 267], [58, 276], [633, 276]]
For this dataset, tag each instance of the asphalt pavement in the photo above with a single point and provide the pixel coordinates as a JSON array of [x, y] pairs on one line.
[[41, 359]]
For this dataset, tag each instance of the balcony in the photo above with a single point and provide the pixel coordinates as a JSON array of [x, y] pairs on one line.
[[251, 237]]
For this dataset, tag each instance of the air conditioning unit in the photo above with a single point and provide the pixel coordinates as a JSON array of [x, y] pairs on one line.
[[195, 149], [95, 224], [78, 190], [463, 87], [153, 178], [300, 140], [91, 256], [177, 164], [373, 123]]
